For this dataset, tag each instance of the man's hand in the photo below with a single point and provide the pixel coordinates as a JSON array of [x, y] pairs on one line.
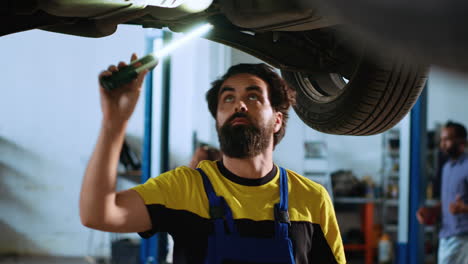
[[428, 215], [422, 215], [458, 207], [118, 105]]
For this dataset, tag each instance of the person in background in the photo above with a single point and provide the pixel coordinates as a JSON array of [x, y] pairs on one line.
[[453, 206], [204, 152]]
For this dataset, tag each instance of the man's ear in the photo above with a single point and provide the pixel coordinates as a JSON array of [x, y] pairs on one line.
[[278, 121], [463, 145]]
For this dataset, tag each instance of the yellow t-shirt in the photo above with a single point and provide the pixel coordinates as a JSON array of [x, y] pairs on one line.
[[177, 203]]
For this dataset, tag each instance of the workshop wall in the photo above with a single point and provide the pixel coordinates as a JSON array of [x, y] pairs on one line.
[[447, 98], [49, 122]]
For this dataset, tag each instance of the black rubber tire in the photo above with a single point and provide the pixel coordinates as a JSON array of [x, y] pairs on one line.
[[377, 96]]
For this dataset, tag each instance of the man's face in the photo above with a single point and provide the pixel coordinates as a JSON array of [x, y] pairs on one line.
[[245, 119], [450, 144]]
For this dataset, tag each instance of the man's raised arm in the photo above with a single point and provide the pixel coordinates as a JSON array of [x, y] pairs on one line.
[[101, 207]]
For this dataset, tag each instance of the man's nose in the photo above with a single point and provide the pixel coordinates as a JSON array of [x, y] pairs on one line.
[[241, 106]]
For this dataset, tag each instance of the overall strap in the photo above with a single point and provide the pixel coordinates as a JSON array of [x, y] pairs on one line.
[[281, 208], [218, 208]]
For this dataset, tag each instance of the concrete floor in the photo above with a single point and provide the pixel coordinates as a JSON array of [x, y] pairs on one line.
[[47, 260]]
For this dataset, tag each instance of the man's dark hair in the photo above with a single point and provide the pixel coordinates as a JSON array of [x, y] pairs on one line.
[[280, 95], [460, 129]]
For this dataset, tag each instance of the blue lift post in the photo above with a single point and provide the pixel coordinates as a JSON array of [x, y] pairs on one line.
[[418, 157], [164, 162], [149, 248]]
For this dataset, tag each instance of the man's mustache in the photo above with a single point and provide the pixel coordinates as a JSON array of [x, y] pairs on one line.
[[239, 115]]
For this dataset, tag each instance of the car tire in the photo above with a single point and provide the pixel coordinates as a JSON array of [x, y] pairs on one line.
[[376, 97]]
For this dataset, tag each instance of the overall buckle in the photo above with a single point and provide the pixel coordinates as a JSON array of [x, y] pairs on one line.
[[282, 216]]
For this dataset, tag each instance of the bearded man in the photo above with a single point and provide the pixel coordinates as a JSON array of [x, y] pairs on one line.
[[240, 209], [453, 206]]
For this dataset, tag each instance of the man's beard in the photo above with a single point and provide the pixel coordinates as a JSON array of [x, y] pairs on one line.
[[243, 141], [453, 151]]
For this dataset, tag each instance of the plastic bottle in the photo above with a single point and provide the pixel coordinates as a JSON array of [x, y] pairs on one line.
[[385, 250]]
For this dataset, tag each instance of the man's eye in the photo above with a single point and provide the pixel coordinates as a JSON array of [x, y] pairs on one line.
[[228, 99], [253, 97]]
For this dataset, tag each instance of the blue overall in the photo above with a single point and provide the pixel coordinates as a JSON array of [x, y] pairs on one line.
[[229, 247]]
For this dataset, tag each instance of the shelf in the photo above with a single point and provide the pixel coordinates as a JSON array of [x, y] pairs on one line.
[[431, 202], [393, 153], [367, 225], [390, 201], [391, 228], [430, 229]]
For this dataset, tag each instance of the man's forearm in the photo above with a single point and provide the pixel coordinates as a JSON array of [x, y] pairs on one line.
[[98, 189]]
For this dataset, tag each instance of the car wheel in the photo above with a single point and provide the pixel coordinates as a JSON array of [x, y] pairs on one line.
[[374, 97]]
